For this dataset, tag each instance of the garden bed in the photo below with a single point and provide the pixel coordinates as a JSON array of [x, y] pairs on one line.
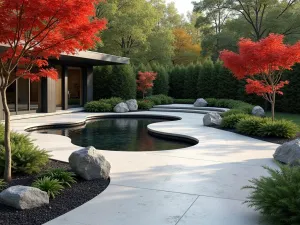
[[70, 198]]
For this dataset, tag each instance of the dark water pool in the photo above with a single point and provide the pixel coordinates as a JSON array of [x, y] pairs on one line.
[[123, 134]]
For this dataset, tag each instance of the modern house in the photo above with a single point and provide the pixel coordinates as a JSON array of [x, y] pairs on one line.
[[73, 88]]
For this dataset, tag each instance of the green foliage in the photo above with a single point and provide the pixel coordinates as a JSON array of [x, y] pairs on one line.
[[113, 101], [233, 112], [160, 99], [117, 81], [26, 157], [97, 106], [161, 83], [277, 196], [145, 104], [278, 128], [2, 184], [232, 120], [250, 125], [206, 80], [177, 77], [191, 79], [184, 101], [66, 178], [52, 186]]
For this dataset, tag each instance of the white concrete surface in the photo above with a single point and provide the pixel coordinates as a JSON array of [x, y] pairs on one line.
[[196, 185]]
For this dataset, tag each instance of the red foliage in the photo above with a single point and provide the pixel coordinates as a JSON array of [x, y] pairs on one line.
[[145, 81], [262, 63], [261, 58], [35, 30]]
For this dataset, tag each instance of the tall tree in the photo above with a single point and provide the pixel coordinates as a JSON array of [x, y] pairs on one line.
[[35, 30], [186, 51]]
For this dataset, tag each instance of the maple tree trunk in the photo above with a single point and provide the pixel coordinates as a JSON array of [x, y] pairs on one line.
[[273, 106], [7, 170]]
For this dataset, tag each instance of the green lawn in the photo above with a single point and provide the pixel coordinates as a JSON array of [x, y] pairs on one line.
[[288, 116]]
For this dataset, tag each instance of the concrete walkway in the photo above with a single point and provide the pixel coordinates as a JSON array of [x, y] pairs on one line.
[[199, 185]]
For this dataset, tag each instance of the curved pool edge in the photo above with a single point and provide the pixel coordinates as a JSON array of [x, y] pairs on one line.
[[165, 135]]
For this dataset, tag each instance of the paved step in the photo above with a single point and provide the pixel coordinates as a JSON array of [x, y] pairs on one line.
[[181, 110], [190, 107]]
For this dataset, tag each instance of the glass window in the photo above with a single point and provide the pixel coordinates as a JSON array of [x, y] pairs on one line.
[[23, 94], [34, 95], [11, 95], [58, 87]]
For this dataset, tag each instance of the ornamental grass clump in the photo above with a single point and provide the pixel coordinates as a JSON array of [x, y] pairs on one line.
[[53, 187], [251, 125], [277, 197], [232, 120], [66, 178], [278, 128]]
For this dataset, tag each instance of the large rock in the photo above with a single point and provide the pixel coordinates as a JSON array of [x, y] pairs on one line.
[[121, 108], [24, 197], [90, 164], [200, 102], [132, 105], [212, 119], [258, 111], [288, 153]]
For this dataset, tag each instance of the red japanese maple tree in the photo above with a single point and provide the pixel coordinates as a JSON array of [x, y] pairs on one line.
[[145, 81], [261, 64], [32, 31]]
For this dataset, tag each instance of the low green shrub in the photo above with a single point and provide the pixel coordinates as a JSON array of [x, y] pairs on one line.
[[145, 104], [232, 112], [232, 120], [278, 128], [52, 186], [97, 106], [111, 101], [250, 125], [277, 196], [26, 157], [2, 184], [212, 102], [66, 178], [160, 99], [184, 101]]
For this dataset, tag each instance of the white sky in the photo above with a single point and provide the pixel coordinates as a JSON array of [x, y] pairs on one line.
[[183, 6]]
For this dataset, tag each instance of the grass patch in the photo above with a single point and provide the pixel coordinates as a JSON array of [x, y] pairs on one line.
[[287, 116]]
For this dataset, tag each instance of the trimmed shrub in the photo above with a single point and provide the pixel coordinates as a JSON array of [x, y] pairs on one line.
[[212, 102], [184, 101], [161, 83], [206, 80], [160, 99], [190, 81], [66, 178], [177, 77], [102, 80], [26, 157], [2, 184], [278, 128], [232, 120], [112, 101], [97, 106], [277, 196], [145, 104], [52, 186], [233, 112], [250, 125]]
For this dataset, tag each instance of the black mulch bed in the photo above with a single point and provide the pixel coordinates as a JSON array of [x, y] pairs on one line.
[[69, 199], [275, 140]]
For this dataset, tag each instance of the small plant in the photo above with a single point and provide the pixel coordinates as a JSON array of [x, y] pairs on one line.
[[2, 184], [184, 101], [232, 120], [52, 186], [277, 197], [233, 112], [250, 125], [97, 106], [111, 101], [26, 157], [278, 128], [145, 104], [66, 178]]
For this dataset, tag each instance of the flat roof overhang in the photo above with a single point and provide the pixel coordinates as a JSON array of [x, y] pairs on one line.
[[86, 58]]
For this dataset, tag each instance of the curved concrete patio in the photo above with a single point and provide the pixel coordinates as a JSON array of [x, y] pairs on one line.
[[192, 186]]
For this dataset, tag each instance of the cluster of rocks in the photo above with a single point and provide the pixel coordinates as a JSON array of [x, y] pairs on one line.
[[123, 107], [87, 163]]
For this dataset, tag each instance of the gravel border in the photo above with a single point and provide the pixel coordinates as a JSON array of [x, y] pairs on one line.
[[69, 199]]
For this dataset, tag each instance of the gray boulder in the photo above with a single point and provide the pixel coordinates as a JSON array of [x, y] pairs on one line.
[[258, 111], [90, 164], [288, 153], [212, 119], [121, 108], [200, 102], [24, 197], [132, 105]]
